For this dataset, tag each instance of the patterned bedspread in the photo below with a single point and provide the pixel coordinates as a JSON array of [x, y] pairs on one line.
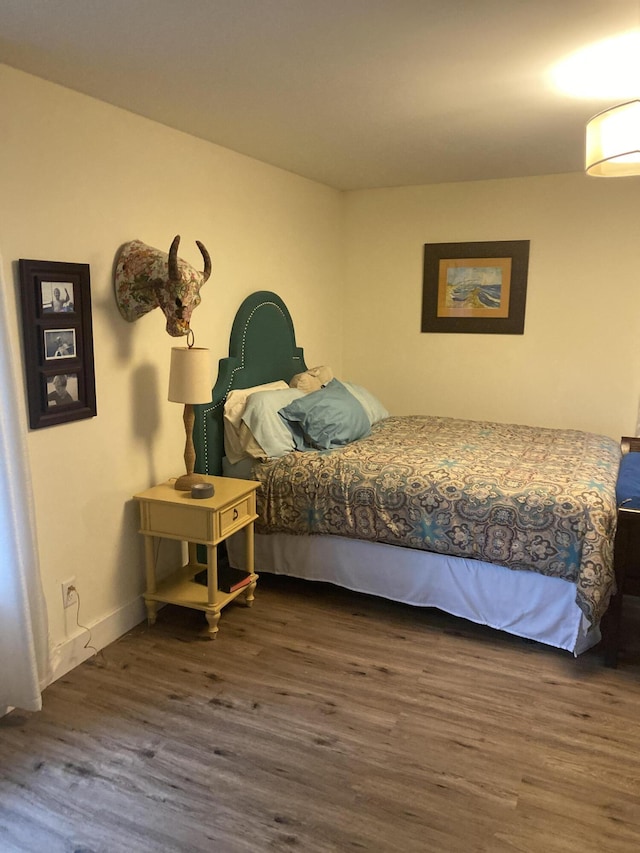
[[528, 498]]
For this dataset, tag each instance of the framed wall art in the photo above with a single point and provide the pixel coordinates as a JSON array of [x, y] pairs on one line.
[[58, 341], [475, 287]]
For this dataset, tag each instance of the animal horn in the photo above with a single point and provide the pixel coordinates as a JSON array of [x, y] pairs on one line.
[[207, 261], [174, 275]]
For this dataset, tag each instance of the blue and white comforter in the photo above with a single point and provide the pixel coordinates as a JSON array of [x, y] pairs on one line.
[[529, 498]]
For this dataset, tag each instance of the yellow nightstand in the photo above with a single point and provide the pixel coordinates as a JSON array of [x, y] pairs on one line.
[[166, 513]]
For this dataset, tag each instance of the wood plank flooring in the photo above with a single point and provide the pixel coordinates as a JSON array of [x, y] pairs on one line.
[[321, 720]]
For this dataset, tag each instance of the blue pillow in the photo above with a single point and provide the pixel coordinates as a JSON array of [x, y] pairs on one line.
[[265, 425], [328, 418]]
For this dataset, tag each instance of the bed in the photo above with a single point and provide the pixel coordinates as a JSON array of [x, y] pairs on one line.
[[506, 525]]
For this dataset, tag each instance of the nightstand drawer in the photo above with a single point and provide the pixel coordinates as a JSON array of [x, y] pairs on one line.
[[180, 522], [237, 515]]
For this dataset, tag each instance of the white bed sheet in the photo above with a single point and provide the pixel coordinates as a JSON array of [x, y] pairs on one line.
[[482, 592]]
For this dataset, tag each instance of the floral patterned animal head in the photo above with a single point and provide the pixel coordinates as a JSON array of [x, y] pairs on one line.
[[146, 278]]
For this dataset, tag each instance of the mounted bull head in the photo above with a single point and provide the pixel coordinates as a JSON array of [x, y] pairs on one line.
[[147, 278]]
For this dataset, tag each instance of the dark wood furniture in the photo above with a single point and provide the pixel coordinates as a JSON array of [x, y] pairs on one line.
[[626, 561]]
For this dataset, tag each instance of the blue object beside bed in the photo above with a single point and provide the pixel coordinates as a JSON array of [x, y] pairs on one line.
[[628, 485]]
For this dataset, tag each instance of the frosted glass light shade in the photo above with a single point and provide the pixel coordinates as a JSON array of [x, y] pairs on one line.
[[189, 375], [613, 142]]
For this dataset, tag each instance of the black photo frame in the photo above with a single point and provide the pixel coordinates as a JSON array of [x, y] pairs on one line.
[[475, 287], [58, 341]]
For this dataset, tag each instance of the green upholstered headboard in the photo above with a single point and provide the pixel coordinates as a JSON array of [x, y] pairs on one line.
[[262, 348]]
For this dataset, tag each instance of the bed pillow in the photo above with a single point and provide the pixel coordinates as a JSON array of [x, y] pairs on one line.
[[312, 379], [322, 420], [264, 423], [237, 400], [250, 447], [372, 406], [232, 418]]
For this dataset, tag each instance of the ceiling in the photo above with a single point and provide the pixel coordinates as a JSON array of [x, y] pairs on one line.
[[351, 93]]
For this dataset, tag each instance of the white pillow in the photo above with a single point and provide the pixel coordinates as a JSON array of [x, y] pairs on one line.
[[250, 447], [237, 400], [372, 406], [265, 424], [234, 407]]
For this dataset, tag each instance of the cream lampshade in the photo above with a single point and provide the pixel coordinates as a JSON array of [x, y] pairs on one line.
[[613, 142], [189, 383]]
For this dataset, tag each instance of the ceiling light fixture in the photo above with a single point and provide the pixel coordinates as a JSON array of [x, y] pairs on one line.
[[613, 142], [608, 70]]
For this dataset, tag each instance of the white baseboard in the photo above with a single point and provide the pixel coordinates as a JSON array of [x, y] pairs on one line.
[[67, 655]]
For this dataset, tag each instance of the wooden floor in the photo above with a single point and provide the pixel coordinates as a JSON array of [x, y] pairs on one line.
[[321, 720]]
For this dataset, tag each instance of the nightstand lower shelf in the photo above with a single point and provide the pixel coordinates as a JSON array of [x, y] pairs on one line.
[[180, 588]]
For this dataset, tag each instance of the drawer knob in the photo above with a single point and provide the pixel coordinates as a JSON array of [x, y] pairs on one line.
[[235, 513]]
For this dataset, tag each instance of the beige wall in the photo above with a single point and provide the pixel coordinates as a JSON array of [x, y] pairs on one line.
[[77, 179], [577, 364]]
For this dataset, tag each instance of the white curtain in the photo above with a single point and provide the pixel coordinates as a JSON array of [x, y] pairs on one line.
[[24, 647]]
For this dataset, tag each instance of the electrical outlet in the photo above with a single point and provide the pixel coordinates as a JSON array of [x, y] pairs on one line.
[[69, 594]]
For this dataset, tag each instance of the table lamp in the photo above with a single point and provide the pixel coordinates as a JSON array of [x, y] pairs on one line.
[[189, 383]]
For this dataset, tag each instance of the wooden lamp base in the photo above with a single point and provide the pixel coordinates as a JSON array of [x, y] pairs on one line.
[[184, 483]]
